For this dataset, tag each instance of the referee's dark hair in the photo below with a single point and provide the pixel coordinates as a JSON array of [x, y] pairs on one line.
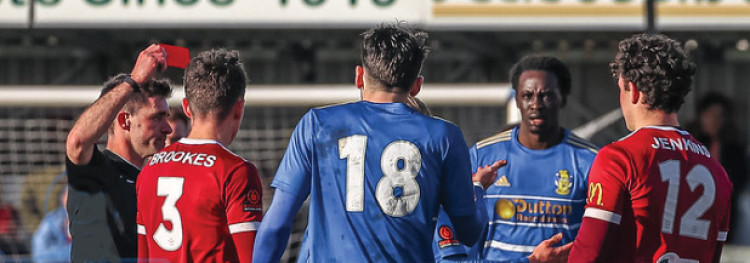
[[154, 88]]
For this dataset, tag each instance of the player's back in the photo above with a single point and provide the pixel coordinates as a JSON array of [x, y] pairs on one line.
[[192, 196], [377, 180], [677, 203]]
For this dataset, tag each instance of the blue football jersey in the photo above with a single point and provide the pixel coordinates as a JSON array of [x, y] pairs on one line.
[[376, 174], [538, 194]]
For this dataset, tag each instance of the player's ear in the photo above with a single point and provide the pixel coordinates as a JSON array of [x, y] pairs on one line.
[[123, 120], [417, 86], [186, 108], [635, 94], [238, 109], [359, 77]]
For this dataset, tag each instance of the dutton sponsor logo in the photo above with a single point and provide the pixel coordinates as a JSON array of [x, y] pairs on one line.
[[533, 211]]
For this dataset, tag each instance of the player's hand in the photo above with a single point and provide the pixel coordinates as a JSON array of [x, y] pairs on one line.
[[486, 175], [544, 252], [150, 60]]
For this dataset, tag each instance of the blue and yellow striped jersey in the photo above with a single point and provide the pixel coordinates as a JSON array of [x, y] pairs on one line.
[[538, 194]]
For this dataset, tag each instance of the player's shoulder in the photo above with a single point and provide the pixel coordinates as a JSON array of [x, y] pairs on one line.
[[501, 137], [334, 108], [581, 143]]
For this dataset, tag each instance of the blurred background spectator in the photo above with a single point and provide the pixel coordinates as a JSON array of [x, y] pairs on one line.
[[51, 241], [714, 126]]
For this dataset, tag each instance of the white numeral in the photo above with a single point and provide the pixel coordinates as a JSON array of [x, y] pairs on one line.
[[403, 178], [353, 149], [670, 172], [690, 223], [395, 178], [171, 187]]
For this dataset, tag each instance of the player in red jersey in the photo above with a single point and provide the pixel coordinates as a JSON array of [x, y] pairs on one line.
[[198, 201], [655, 195]]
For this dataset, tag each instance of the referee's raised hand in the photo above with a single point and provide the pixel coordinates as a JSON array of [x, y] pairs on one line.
[[150, 60]]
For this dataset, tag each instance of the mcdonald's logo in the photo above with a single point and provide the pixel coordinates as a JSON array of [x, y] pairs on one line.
[[595, 193]]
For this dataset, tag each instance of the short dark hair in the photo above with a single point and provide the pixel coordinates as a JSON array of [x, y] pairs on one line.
[[214, 81], [547, 64], [153, 88], [392, 55], [658, 66]]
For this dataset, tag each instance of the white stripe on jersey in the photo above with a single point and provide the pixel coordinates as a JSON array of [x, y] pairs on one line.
[[243, 227], [141, 230], [547, 225], [508, 247], [722, 236], [534, 197], [603, 215]]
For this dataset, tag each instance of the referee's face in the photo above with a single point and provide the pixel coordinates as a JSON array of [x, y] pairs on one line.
[[149, 126]]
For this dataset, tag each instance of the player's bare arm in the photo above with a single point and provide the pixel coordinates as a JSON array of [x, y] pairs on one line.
[[95, 120], [486, 175]]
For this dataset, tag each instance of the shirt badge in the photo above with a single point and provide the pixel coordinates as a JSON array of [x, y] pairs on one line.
[[563, 182]]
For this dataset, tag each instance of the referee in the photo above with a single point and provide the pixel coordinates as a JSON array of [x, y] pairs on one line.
[[133, 110]]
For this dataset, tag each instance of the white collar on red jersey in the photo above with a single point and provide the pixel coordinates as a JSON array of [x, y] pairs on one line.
[[198, 141], [661, 128], [207, 141]]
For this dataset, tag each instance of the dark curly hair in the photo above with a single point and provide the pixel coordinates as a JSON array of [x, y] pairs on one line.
[[214, 81], [658, 66], [547, 64], [392, 55]]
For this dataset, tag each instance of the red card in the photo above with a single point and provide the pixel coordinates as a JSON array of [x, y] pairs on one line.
[[178, 57]]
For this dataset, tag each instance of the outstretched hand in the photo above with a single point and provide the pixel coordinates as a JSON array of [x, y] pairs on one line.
[[486, 175], [150, 60], [544, 252]]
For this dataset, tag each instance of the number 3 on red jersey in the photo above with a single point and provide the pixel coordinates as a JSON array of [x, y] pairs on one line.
[[171, 188]]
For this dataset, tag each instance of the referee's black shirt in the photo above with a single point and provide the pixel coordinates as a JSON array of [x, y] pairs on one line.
[[102, 208]]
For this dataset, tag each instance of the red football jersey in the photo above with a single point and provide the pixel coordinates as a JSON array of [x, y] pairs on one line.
[[192, 196], [654, 196]]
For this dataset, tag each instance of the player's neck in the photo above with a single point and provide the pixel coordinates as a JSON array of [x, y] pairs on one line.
[[122, 148], [656, 118], [540, 141], [211, 131], [382, 96]]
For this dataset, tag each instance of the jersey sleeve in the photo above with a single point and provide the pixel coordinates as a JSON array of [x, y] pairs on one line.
[[607, 196], [445, 245], [607, 186], [473, 158], [456, 187], [86, 176], [243, 198], [294, 173]]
